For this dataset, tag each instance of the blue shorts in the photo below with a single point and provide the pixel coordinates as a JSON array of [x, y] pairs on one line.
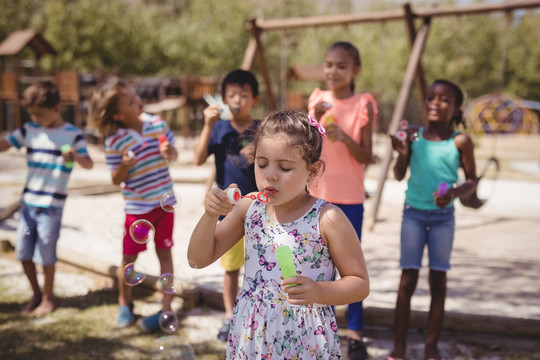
[[434, 228], [37, 234]]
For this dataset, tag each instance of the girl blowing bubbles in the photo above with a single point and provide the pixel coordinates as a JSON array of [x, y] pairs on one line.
[[270, 319], [139, 162], [428, 216]]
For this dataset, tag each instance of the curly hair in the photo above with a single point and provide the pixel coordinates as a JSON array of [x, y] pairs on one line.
[[104, 105]]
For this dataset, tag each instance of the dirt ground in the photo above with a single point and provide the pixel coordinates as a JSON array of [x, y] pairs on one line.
[[512, 234]]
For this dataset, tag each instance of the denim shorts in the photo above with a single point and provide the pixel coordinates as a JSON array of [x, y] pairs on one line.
[[434, 228], [37, 234]]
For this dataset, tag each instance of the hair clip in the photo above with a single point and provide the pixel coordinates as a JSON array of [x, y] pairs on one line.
[[313, 122]]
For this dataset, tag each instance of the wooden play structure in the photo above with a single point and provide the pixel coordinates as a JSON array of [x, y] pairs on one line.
[[178, 100], [414, 72], [10, 71], [14, 79], [296, 100]]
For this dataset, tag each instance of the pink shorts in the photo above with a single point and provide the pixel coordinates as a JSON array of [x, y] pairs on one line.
[[163, 223]]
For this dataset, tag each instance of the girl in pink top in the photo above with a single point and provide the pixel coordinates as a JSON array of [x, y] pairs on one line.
[[348, 119]]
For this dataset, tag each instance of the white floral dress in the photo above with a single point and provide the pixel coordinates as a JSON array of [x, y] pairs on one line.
[[265, 325]]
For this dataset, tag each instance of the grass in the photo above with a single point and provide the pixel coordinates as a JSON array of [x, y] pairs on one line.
[[83, 327]]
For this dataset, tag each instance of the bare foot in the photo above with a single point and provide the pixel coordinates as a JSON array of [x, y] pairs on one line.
[[32, 304], [44, 308]]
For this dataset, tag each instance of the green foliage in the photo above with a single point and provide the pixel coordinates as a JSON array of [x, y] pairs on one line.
[[523, 65], [17, 15], [173, 37], [102, 34]]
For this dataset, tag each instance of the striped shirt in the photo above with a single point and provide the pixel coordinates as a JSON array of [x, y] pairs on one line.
[[48, 176], [148, 180]]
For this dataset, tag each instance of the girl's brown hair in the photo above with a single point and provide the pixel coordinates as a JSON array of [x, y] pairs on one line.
[[104, 105], [297, 127], [42, 94]]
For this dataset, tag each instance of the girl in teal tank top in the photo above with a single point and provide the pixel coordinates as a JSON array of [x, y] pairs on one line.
[[431, 162], [428, 216]]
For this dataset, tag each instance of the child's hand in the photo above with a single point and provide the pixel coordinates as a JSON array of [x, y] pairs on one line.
[[401, 146], [128, 159], [335, 133], [304, 293], [320, 109], [444, 200], [216, 202], [69, 155], [166, 150], [211, 115]]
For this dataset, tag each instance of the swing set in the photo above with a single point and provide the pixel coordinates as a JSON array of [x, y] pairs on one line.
[[413, 73]]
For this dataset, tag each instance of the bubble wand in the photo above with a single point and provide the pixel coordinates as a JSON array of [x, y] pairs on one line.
[[64, 149], [234, 195], [162, 138], [442, 189], [402, 133], [286, 263]]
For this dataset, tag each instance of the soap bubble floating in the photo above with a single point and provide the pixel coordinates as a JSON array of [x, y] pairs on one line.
[[142, 231], [134, 274], [168, 321], [186, 271], [118, 231], [170, 202], [167, 283]]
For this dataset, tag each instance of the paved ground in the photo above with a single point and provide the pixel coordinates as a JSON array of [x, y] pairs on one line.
[[493, 285]]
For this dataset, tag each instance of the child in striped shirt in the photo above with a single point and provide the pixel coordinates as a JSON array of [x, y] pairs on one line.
[[52, 147], [138, 147]]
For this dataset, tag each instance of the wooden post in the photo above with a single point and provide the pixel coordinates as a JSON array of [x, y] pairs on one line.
[[259, 50], [399, 110], [17, 121], [420, 78], [249, 56]]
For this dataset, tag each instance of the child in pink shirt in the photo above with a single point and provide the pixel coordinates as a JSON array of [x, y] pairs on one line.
[[349, 119]]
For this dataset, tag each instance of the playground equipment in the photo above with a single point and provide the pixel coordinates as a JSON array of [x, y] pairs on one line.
[[414, 71], [17, 73], [502, 114]]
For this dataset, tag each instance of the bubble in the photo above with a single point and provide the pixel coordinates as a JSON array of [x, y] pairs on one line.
[[186, 271], [142, 231], [172, 347], [167, 283], [170, 202], [168, 321], [118, 231], [415, 137], [168, 243], [134, 274]]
